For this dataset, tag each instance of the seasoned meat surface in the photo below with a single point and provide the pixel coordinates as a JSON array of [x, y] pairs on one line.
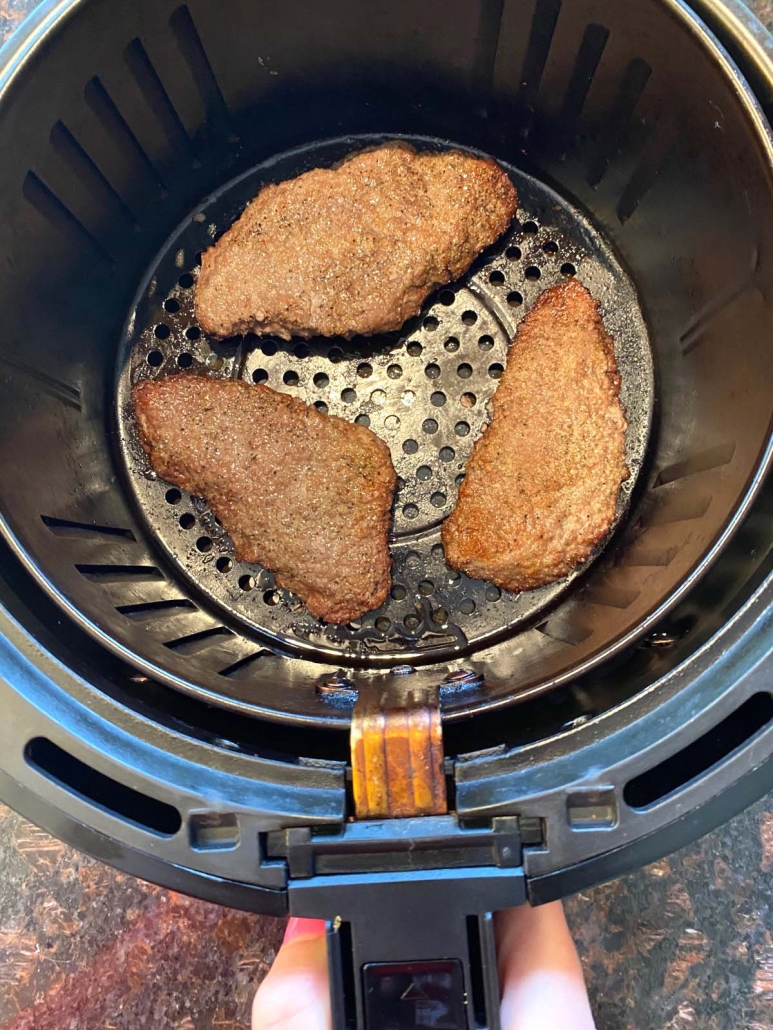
[[355, 249], [542, 482], [305, 495]]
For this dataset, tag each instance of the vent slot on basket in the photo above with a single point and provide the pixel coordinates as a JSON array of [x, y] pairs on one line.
[[149, 609], [88, 783], [156, 96], [119, 573], [195, 642], [192, 50], [120, 132], [66, 527], [48, 204], [67, 147], [702, 755]]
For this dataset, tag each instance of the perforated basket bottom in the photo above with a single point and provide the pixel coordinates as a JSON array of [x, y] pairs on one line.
[[424, 391]]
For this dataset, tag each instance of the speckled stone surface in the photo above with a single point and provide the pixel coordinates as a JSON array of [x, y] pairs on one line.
[[687, 942], [684, 944], [11, 13], [83, 947]]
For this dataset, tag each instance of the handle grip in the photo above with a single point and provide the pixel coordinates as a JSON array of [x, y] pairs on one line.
[[412, 949]]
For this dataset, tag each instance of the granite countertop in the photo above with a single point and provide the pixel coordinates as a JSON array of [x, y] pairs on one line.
[[684, 944]]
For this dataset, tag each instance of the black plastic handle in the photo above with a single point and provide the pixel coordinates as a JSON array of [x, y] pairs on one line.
[[412, 949]]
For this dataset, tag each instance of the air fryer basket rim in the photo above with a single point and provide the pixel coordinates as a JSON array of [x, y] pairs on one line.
[[48, 699]]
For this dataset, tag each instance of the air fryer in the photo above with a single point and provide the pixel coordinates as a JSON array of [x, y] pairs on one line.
[[171, 711]]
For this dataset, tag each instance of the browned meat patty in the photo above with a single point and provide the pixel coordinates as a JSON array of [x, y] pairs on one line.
[[542, 483], [306, 495], [353, 250]]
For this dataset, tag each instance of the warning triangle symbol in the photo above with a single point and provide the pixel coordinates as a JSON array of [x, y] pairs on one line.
[[414, 993]]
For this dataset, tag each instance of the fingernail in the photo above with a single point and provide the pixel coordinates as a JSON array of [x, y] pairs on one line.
[[297, 927]]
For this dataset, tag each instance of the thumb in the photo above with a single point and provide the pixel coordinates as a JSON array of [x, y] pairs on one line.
[[295, 994], [539, 971]]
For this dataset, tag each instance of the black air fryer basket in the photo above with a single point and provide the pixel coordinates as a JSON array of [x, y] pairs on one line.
[[167, 708]]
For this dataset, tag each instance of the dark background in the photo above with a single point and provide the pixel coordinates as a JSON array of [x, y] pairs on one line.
[[684, 944]]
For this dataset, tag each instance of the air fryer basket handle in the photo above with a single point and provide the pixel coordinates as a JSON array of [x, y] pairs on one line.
[[411, 949]]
